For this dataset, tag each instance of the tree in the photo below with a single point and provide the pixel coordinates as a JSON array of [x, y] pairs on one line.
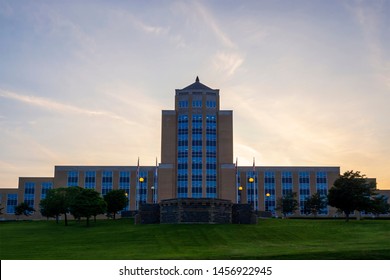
[[287, 204], [45, 207], [379, 205], [116, 200], [58, 202], [314, 204], [87, 203], [24, 208], [351, 191], [100, 208]]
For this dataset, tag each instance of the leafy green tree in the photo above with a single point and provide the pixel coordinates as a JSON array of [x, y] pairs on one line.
[[314, 204], [46, 210], [24, 208], [86, 203], [351, 191], [100, 208], [116, 200], [54, 204], [379, 205], [287, 204], [58, 202]]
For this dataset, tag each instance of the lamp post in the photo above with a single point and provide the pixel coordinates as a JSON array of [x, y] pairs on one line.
[[153, 200], [267, 195], [239, 194], [251, 181], [128, 201], [141, 180]]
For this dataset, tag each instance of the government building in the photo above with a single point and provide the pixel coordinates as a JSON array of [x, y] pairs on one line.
[[196, 162]]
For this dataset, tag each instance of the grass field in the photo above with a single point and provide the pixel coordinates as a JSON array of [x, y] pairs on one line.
[[270, 239]]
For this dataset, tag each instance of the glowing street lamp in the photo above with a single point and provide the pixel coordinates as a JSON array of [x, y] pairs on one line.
[[239, 194], [152, 187], [251, 181], [139, 192]]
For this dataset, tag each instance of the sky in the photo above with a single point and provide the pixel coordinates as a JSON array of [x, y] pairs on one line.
[[84, 82]]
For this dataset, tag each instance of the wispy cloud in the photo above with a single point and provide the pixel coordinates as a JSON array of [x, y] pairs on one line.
[[227, 62], [369, 16], [137, 23], [149, 28], [209, 19], [229, 59], [56, 106]]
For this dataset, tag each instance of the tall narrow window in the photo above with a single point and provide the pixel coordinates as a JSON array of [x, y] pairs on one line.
[[29, 193], [143, 187], [12, 201], [106, 182], [182, 156], [90, 180], [211, 156], [252, 189], [124, 184], [287, 183], [304, 190], [45, 187], [197, 159], [73, 178], [322, 189], [269, 191]]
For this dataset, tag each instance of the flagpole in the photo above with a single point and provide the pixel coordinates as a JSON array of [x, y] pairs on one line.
[[137, 187], [155, 184], [236, 169], [253, 185]]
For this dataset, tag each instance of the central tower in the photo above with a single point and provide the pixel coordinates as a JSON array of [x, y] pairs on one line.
[[196, 145]]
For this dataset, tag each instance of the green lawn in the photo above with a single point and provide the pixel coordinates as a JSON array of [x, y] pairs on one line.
[[270, 239]]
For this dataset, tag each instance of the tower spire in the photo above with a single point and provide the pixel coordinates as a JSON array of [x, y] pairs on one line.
[[197, 79]]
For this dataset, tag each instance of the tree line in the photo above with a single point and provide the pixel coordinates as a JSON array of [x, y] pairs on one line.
[[350, 192], [78, 202]]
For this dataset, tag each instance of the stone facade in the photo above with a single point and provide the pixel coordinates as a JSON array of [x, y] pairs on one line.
[[195, 211]]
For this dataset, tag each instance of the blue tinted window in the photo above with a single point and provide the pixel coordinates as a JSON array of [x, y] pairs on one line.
[[269, 191], [29, 193], [183, 104], [322, 189], [73, 178], [211, 104], [182, 157], [197, 103], [90, 180], [304, 190], [46, 186], [252, 188], [12, 201], [287, 183], [143, 187], [211, 154], [124, 184], [106, 182]]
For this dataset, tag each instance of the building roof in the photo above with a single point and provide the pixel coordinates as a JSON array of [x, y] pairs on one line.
[[197, 86]]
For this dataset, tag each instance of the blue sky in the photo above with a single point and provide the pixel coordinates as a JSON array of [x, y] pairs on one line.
[[84, 82]]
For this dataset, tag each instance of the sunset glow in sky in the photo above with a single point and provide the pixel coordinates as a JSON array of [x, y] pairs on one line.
[[84, 82]]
